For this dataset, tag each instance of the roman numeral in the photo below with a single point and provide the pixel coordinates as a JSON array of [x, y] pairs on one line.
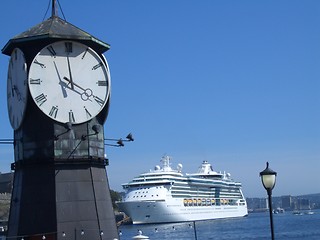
[[102, 83], [97, 66], [71, 117], [68, 46], [34, 81], [84, 54], [99, 100], [40, 64], [87, 113], [52, 51], [40, 99], [54, 111]]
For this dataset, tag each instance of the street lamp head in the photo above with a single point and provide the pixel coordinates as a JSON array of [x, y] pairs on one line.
[[268, 178]]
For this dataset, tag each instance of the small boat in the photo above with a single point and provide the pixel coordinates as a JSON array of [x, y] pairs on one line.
[[309, 213], [140, 236], [296, 212]]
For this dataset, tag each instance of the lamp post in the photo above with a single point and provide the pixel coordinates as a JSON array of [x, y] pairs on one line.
[[268, 178]]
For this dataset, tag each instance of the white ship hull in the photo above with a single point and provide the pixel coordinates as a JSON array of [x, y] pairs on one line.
[[173, 211], [166, 195]]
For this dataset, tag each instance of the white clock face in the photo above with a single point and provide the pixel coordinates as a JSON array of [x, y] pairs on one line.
[[17, 88], [69, 82]]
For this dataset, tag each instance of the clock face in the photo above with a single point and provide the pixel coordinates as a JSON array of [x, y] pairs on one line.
[[69, 82], [17, 88]]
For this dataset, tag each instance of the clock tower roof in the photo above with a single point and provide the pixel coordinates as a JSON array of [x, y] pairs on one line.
[[51, 30]]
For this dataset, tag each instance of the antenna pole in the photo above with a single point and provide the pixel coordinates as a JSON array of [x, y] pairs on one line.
[[54, 10]]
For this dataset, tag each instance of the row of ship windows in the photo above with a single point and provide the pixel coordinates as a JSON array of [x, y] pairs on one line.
[[141, 196], [146, 188], [232, 190], [137, 193], [220, 190], [206, 194], [208, 202], [213, 192], [219, 182]]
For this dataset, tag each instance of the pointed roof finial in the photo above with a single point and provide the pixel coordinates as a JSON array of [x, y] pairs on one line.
[[54, 9]]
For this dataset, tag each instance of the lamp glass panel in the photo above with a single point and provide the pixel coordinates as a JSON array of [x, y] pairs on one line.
[[268, 181]]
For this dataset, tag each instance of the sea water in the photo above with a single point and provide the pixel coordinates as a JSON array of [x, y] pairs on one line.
[[254, 226]]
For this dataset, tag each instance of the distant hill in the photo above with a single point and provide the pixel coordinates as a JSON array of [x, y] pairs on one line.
[[316, 195]]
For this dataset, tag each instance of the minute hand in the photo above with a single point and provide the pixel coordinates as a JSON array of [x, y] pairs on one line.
[[70, 75]]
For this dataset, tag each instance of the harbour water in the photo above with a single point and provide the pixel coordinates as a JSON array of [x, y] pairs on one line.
[[254, 226]]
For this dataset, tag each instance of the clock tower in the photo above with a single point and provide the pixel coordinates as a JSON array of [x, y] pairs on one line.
[[58, 90]]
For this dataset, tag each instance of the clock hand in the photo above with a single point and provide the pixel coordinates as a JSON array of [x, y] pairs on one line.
[[70, 75], [69, 80], [87, 93]]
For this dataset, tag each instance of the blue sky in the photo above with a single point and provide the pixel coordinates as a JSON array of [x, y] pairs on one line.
[[236, 83]]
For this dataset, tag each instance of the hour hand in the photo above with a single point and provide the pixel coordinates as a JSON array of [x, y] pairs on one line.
[[72, 83], [86, 92]]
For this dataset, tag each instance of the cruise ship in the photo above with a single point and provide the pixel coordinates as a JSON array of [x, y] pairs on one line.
[[165, 195]]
